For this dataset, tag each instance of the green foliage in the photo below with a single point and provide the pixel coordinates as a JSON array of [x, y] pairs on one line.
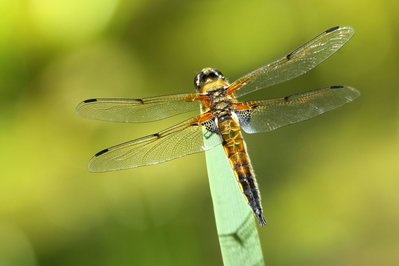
[[235, 223]]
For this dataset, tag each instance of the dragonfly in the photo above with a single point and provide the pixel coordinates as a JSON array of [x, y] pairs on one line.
[[223, 116]]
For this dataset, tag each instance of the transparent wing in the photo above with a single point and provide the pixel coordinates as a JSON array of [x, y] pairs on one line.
[[137, 110], [177, 141], [296, 63], [268, 115]]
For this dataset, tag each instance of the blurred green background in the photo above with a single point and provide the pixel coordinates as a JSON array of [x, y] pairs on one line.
[[329, 185]]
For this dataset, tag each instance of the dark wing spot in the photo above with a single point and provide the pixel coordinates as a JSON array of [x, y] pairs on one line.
[[90, 100], [336, 87], [101, 152], [332, 29], [327, 31]]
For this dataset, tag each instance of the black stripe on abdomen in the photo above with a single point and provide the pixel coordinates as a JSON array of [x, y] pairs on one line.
[[252, 194]]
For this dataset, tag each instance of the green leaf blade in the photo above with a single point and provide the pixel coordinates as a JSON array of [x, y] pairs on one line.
[[235, 223]]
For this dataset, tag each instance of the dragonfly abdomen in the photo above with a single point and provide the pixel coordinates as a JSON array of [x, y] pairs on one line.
[[246, 177], [235, 150]]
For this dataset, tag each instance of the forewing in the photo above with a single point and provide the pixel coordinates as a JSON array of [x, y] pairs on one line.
[[296, 63], [177, 141], [137, 110], [268, 115]]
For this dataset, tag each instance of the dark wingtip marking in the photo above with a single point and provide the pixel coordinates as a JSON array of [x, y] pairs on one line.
[[101, 152], [90, 100], [288, 56], [336, 87], [332, 29]]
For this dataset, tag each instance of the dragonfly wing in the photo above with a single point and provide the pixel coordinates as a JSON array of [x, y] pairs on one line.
[[268, 115], [177, 141], [137, 110], [296, 63]]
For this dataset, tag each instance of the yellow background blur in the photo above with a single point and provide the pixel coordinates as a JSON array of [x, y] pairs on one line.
[[329, 185]]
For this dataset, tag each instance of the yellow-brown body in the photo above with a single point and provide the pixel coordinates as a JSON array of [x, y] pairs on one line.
[[235, 149], [221, 105]]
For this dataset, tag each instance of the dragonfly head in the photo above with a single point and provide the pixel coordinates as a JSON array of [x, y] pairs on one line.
[[209, 79]]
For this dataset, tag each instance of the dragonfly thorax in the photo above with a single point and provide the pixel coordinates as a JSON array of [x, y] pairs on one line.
[[209, 79], [221, 103]]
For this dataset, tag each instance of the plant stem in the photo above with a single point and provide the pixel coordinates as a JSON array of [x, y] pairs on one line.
[[235, 223]]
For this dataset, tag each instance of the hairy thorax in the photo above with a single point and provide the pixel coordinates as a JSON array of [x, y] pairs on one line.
[[221, 104]]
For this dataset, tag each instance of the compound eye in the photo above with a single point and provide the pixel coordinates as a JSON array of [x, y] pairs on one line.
[[199, 80], [203, 77], [213, 75], [218, 74], [206, 74]]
